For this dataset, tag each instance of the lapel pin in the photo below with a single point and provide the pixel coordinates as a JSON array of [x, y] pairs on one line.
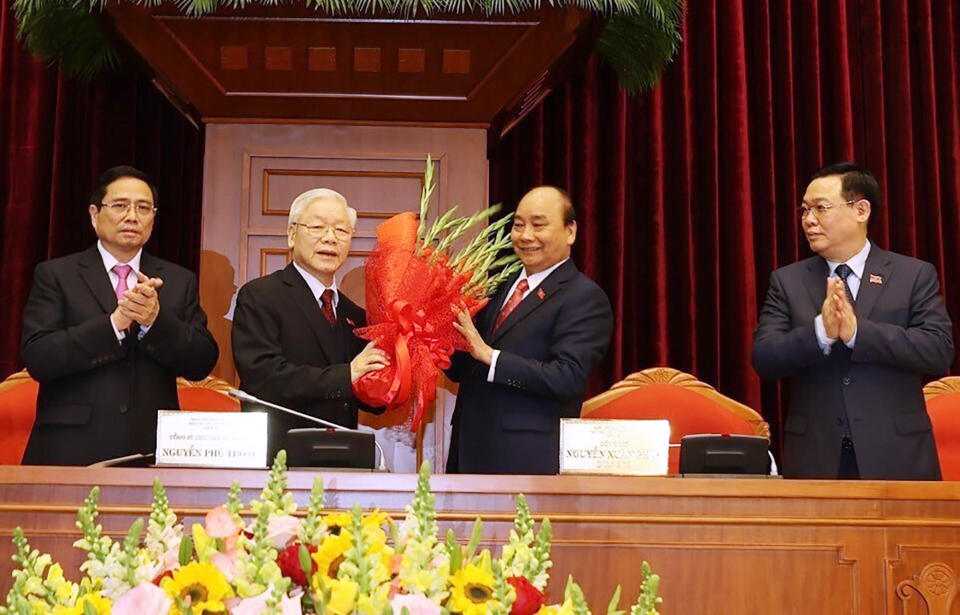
[[875, 279], [542, 295]]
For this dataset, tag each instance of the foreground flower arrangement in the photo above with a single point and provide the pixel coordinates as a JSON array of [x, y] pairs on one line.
[[329, 563]]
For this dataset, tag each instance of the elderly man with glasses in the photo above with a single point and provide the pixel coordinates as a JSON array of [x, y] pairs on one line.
[[293, 341], [853, 329], [107, 331]]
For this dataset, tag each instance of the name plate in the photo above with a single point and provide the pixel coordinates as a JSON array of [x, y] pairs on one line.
[[614, 446], [212, 439]]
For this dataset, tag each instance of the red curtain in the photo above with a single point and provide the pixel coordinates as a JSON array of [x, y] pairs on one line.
[[56, 136], [687, 196]]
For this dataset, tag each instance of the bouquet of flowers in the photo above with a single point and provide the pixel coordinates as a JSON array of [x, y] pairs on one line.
[[413, 281], [319, 562]]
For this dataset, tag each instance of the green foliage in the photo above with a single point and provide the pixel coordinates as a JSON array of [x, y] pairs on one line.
[[503, 592], [639, 45], [128, 558], [640, 39], [234, 505], [574, 594], [648, 599], [274, 496], [312, 529], [65, 31]]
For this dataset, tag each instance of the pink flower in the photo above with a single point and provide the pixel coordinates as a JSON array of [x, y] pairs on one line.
[[144, 599], [416, 604], [258, 604], [282, 529], [220, 524], [226, 563]]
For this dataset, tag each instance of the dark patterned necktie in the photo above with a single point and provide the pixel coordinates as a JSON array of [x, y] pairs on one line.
[[843, 271], [326, 306]]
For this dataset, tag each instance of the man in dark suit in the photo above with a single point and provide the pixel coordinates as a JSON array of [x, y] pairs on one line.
[[293, 341], [531, 350], [854, 329], [107, 331]]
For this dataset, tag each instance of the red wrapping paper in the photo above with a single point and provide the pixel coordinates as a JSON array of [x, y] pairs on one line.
[[410, 301]]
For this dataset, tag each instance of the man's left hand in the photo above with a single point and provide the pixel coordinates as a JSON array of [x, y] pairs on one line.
[[142, 303], [479, 349], [848, 318]]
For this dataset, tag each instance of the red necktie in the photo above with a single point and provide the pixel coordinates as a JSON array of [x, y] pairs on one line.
[[326, 306], [512, 302]]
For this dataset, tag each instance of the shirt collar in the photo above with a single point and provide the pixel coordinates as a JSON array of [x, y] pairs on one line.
[[109, 260], [316, 286], [535, 279], [857, 262]]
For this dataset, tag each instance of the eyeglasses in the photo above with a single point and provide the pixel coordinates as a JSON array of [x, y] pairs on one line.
[[341, 233], [143, 209], [820, 210]]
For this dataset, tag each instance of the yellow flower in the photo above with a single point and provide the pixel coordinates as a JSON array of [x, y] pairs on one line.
[[471, 591], [565, 609], [101, 605], [201, 586], [330, 554], [343, 520], [343, 595], [338, 521]]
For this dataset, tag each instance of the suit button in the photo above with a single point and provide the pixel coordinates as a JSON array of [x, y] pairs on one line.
[[123, 409], [839, 421], [846, 380]]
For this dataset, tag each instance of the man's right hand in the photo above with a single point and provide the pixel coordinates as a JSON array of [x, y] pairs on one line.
[[121, 322], [370, 359], [829, 311]]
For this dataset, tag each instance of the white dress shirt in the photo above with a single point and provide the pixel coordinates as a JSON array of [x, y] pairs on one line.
[[533, 281], [857, 263], [317, 287], [109, 262]]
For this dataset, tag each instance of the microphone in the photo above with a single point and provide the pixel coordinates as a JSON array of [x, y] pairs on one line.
[[247, 397], [107, 463]]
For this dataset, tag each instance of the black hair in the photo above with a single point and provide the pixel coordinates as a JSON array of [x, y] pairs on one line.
[[858, 183], [113, 174]]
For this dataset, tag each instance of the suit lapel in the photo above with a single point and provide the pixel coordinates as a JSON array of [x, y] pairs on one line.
[[878, 265], [815, 280], [95, 277], [543, 293], [301, 296]]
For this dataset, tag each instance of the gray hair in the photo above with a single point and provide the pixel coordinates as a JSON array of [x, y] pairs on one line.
[[300, 203]]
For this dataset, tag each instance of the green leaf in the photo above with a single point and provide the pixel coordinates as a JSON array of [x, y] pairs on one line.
[[306, 563], [186, 550], [453, 550], [612, 608]]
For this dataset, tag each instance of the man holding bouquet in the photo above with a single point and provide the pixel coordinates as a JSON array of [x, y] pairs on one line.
[[531, 349], [293, 341]]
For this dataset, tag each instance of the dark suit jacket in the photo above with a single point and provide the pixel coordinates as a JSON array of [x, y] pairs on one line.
[[903, 332], [287, 353], [98, 398], [547, 346]]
